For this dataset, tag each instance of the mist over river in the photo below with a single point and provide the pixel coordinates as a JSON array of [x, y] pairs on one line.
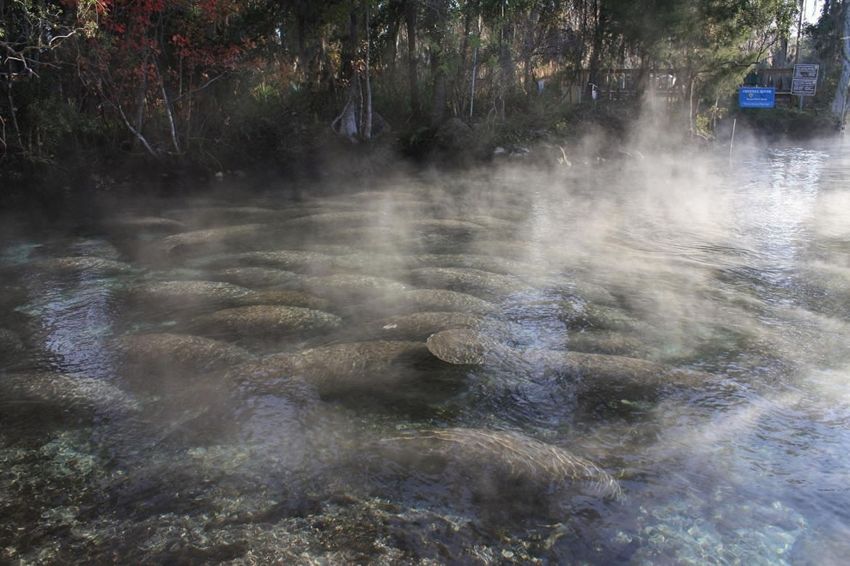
[[644, 360]]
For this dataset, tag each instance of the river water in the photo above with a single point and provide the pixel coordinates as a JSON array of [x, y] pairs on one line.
[[643, 361]]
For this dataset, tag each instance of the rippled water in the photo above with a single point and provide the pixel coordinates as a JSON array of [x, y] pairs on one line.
[[328, 420]]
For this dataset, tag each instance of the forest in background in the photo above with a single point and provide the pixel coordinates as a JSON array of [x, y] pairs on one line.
[[221, 85]]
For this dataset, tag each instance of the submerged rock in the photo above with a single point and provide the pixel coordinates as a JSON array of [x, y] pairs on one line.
[[180, 356], [498, 465], [338, 368], [264, 322]]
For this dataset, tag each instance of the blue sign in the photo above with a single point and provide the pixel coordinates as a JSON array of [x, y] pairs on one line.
[[756, 97]]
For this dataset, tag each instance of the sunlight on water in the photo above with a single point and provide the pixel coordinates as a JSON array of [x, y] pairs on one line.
[[645, 362]]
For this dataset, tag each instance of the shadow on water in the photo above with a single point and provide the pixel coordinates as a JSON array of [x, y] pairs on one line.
[[636, 362]]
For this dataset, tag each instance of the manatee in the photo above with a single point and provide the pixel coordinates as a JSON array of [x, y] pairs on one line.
[[134, 226], [264, 322], [335, 250], [417, 326], [224, 215], [421, 300], [259, 277], [573, 287], [299, 261], [483, 284], [593, 371], [577, 315], [511, 249], [473, 261], [607, 342], [177, 355], [81, 247], [449, 227], [370, 263], [497, 465], [394, 195], [73, 265], [164, 297], [283, 297], [352, 288], [338, 368], [378, 239], [465, 346], [213, 240], [335, 220], [415, 208], [588, 372], [502, 226], [52, 394]]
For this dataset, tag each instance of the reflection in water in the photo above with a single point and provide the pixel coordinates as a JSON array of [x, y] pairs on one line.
[[273, 446], [76, 320]]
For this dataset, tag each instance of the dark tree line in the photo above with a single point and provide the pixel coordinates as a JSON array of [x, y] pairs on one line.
[[206, 79]]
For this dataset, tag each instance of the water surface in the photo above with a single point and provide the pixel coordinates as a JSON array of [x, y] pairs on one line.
[[184, 380]]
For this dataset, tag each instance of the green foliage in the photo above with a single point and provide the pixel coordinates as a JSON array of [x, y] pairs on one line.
[[220, 81], [788, 121], [702, 124]]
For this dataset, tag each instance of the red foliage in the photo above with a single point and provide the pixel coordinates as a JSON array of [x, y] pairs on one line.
[[152, 52]]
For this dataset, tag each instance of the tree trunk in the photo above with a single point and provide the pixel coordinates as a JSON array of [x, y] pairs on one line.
[[410, 12], [367, 119], [169, 110], [507, 73], [390, 53], [10, 99], [348, 53], [839, 102], [474, 68], [596, 47], [140, 99], [438, 72], [346, 123]]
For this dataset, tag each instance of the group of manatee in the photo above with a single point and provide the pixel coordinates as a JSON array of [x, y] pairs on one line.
[[338, 299]]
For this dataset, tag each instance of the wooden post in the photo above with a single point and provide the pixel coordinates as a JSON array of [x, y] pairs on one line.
[[732, 141]]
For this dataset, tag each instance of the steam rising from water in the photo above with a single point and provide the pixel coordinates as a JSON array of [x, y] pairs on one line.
[[734, 268]]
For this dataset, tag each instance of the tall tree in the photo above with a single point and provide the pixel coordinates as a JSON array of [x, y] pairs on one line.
[[411, 19]]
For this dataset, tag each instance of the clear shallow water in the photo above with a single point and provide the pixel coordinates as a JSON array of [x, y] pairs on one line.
[[196, 451]]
